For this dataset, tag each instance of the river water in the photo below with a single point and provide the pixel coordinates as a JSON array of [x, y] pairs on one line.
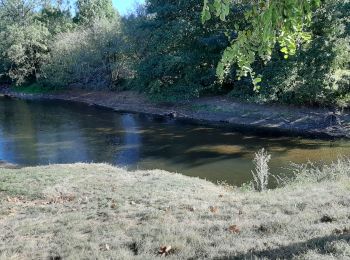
[[48, 132]]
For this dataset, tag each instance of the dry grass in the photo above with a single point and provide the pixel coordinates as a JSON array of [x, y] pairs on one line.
[[262, 170], [100, 212]]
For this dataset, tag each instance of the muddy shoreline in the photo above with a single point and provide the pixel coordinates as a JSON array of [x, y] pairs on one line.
[[220, 111]]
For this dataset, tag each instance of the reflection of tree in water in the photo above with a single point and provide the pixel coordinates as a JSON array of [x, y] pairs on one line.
[[5, 154], [18, 132], [59, 132], [194, 146], [131, 142], [35, 133], [56, 132]]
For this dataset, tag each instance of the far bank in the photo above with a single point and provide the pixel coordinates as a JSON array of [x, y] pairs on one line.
[[221, 110]]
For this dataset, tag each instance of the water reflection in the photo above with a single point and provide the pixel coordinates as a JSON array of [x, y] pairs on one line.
[[33, 133], [131, 142]]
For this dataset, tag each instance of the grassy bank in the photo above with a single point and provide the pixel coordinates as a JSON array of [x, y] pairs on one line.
[[98, 211]]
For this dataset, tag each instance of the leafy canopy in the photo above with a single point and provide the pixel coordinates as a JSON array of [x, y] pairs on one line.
[[88, 11], [267, 22], [177, 54], [24, 40]]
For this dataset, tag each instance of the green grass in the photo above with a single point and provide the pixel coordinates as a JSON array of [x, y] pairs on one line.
[[34, 89], [96, 211]]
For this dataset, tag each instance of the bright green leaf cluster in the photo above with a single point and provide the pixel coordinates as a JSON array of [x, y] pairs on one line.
[[268, 22]]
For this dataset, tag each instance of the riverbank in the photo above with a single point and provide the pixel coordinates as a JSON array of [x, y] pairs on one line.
[[311, 122], [85, 211]]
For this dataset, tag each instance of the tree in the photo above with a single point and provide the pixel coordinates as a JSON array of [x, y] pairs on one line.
[[24, 40], [319, 73], [267, 23], [90, 10], [177, 53], [56, 17]]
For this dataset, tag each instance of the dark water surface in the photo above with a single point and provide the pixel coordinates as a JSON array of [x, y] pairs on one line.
[[44, 132]]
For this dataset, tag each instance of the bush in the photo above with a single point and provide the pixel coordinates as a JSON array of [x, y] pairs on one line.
[[23, 50], [87, 58], [261, 172], [312, 173]]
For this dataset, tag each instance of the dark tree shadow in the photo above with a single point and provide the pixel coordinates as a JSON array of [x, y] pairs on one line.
[[293, 250]]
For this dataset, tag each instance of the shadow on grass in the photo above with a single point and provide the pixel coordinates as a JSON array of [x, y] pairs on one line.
[[296, 249]]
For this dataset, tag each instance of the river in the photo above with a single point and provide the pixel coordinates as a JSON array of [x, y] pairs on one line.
[[48, 132]]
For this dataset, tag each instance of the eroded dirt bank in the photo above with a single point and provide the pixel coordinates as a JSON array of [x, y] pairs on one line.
[[312, 122]]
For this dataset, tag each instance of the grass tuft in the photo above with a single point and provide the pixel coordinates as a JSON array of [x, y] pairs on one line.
[[262, 171]]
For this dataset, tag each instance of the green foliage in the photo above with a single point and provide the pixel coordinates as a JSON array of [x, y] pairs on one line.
[[34, 88], [167, 52], [90, 10], [178, 55], [23, 41], [267, 23], [41, 43], [319, 74], [86, 58], [57, 19]]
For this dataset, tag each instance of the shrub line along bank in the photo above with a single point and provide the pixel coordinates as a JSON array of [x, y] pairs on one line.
[[275, 119]]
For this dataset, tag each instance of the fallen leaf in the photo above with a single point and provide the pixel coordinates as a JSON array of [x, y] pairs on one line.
[[190, 208], [234, 229], [213, 209], [164, 250], [62, 198]]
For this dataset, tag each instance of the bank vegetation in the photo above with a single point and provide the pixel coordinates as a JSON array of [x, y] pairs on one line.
[[164, 50]]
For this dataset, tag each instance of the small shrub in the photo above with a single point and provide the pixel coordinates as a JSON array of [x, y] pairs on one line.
[[315, 172], [312, 173], [262, 170]]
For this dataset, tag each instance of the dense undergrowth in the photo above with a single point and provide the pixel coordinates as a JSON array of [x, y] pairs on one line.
[[164, 50]]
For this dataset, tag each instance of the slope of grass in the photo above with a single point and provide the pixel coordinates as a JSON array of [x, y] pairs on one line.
[[97, 211]]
